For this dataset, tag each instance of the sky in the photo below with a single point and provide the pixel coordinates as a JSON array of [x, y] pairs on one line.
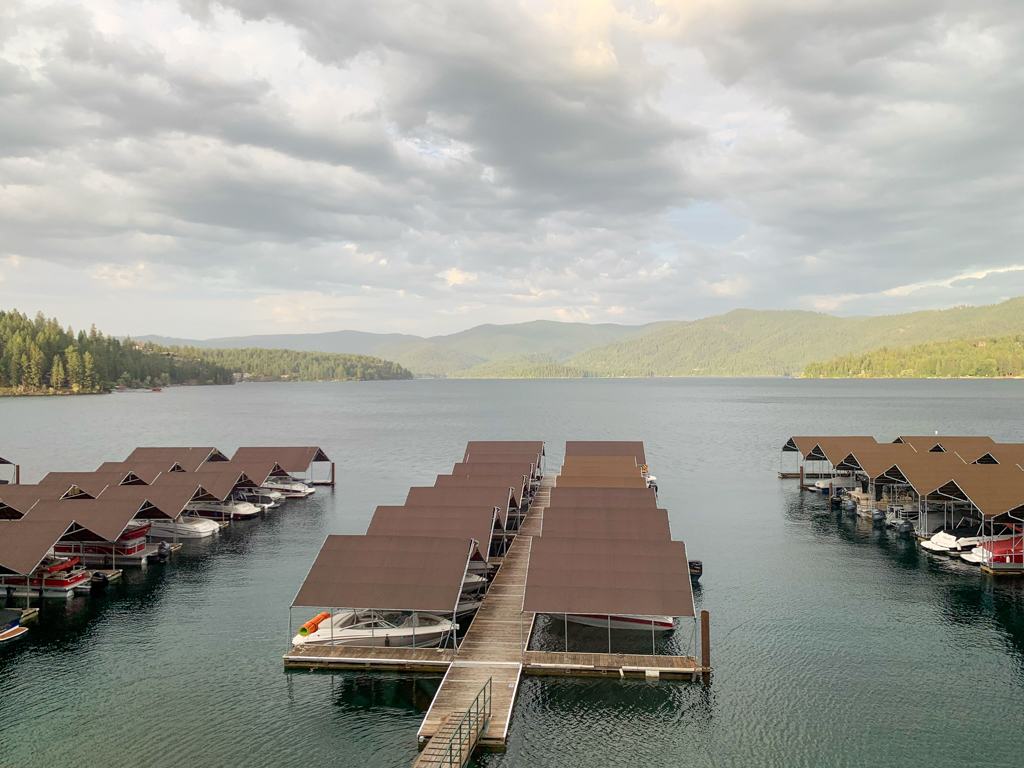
[[201, 169]]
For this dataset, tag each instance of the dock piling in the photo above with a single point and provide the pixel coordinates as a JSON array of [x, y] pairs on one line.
[[705, 644]]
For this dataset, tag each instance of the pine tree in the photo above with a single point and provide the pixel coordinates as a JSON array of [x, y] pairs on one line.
[[89, 375], [57, 376], [76, 373]]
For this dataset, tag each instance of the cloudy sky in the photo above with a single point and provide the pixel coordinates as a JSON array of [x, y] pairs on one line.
[[200, 168]]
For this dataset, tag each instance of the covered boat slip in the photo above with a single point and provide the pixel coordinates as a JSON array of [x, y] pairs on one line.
[[500, 497], [375, 582], [961, 495], [478, 523], [603, 497], [517, 484], [606, 523], [625, 541], [13, 476]]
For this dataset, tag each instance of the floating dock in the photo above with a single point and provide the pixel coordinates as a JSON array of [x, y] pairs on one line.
[[490, 654]]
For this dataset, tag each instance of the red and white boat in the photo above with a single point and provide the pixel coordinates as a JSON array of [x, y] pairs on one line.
[[55, 576], [999, 553], [624, 621], [130, 546]]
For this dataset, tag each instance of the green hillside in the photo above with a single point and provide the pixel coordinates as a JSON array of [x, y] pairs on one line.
[[988, 357], [774, 343], [285, 364], [522, 367], [439, 355]]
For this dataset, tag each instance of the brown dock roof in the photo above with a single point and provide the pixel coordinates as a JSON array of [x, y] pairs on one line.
[[603, 497], [402, 573], [106, 518], [504, 458], [256, 472], [448, 522], [601, 481], [146, 472], [189, 459], [815, 448], [91, 483], [297, 459], [531, 447], [16, 500], [461, 497], [524, 468], [160, 500], [969, 444], [516, 483], [24, 543], [606, 523], [608, 576], [634, 448]]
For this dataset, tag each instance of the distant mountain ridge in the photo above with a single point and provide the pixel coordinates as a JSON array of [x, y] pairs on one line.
[[439, 355], [743, 342]]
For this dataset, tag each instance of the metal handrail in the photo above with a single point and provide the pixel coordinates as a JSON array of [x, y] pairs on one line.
[[472, 724]]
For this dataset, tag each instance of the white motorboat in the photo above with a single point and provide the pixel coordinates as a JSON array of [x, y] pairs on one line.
[[184, 527], [622, 621], [261, 497], [473, 583], [946, 542], [376, 629], [288, 487], [223, 510], [849, 482]]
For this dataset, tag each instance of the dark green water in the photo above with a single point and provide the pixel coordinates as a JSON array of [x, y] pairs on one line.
[[834, 643]]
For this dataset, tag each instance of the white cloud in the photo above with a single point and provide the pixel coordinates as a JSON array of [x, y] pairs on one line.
[[545, 159]]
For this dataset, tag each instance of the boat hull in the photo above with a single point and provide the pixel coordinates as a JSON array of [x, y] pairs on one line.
[[626, 622]]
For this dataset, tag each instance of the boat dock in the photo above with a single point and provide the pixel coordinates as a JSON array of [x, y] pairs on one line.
[[487, 669]]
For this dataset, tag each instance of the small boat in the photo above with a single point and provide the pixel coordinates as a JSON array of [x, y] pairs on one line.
[[12, 633], [184, 527], [224, 510], [155, 389], [997, 553], [622, 621], [473, 583], [55, 577], [652, 482], [261, 497], [696, 569], [957, 540], [10, 625], [289, 487], [376, 629]]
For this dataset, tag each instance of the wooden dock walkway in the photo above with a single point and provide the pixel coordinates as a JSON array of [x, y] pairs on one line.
[[492, 648]]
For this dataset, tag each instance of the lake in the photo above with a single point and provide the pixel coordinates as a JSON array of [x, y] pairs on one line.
[[833, 642]]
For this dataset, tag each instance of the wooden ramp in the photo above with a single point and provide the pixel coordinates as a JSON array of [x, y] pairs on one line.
[[492, 648]]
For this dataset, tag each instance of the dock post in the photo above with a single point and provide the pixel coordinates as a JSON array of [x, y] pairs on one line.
[[17, 474], [801, 476], [332, 474], [705, 645]]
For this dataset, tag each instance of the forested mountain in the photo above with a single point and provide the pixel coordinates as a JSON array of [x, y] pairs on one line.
[[744, 342], [443, 355], [284, 364], [775, 343], [39, 356], [522, 367], [987, 357]]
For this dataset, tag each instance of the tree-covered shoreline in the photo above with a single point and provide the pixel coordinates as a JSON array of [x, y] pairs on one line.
[[988, 357], [258, 364], [38, 357]]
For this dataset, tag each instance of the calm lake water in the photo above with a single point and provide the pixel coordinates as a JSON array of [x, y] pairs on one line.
[[833, 642]]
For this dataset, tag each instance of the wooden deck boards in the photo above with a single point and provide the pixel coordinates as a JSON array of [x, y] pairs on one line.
[[617, 664], [361, 657], [492, 648]]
